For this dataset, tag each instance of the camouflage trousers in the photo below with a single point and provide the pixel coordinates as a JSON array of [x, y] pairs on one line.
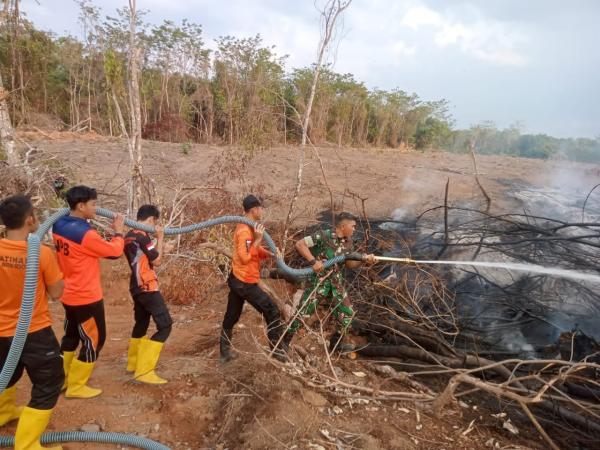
[[332, 293]]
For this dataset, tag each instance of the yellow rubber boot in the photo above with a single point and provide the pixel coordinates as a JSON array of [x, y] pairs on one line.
[[67, 360], [79, 374], [9, 410], [31, 425], [147, 360], [132, 354]]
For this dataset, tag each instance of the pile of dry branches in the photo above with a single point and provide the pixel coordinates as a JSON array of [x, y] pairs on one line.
[[414, 318], [40, 175]]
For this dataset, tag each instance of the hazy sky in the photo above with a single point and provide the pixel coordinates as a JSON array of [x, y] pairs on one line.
[[534, 61]]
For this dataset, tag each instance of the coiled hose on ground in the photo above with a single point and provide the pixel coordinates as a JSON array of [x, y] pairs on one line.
[[30, 287]]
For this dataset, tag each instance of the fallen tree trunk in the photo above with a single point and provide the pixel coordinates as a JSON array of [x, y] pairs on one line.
[[426, 338], [466, 361], [582, 422]]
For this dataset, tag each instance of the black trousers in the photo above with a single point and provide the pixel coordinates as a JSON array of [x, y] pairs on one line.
[[43, 363], [85, 324], [151, 305], [240, 292]]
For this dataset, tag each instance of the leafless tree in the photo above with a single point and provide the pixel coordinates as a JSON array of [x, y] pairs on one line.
[[135, 134], [330, 14], [7, 140]]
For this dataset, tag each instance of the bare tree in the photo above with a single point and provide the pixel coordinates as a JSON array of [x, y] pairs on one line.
[[88, 18], [11, 21], [135, 115], [7, 140], [479, 135], [329, 17]]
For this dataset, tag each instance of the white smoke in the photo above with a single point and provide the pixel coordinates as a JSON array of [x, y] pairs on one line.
[[399, 214]]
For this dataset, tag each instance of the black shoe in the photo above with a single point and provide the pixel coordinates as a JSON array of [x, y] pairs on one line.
[[226, 356], [337, 344], [286, 341], [280, 355], [281, 351], [225, 346], [345, 348]]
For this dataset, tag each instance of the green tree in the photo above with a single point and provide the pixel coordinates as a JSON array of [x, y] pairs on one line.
[[247, 86]]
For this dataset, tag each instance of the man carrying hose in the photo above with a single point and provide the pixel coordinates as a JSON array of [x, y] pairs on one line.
[[79, 248], [41, 353], [143, 256], [316, 249], [244, 278]]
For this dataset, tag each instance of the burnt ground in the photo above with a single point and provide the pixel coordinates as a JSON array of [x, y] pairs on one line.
[[253, 402]]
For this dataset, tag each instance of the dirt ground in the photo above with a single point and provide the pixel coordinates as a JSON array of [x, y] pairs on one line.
[[252, 402], [390, 181]]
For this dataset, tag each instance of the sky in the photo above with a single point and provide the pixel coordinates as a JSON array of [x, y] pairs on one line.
[[533, 62]]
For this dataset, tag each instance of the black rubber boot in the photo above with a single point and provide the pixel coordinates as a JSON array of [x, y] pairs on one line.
[[286, 341], [225, 345], [337, 344], [280, 355], [280, 352]]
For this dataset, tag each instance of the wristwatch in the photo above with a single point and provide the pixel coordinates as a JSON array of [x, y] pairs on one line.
[[312, 262]]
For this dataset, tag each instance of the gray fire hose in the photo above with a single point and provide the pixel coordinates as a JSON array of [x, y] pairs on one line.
[[29, 290]]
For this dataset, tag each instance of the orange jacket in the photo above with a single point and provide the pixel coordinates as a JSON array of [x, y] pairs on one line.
[[13, 256], [79, 247], [246, 257]]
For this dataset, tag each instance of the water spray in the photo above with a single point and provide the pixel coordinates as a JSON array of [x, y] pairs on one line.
[[519, 267]]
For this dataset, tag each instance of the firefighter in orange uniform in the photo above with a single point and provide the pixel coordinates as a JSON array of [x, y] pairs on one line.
[[79, 248], [243, 282], [143, 256], [41, 353]]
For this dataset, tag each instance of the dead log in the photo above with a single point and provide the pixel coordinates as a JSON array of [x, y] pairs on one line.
[[466, 361], [580, 421], [426, 338]]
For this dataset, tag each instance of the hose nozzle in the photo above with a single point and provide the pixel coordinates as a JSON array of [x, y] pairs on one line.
[[398, 260], [355, 256]]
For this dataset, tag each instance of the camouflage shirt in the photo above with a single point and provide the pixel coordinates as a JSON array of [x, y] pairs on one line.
[[324, 245]]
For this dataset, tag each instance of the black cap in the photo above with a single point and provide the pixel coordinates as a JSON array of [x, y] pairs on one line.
[[250, 202]]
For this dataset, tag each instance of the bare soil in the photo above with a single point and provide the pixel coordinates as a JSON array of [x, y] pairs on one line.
[[387, 179]]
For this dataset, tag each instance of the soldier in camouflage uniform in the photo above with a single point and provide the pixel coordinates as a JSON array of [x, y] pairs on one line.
[[316, 249]]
